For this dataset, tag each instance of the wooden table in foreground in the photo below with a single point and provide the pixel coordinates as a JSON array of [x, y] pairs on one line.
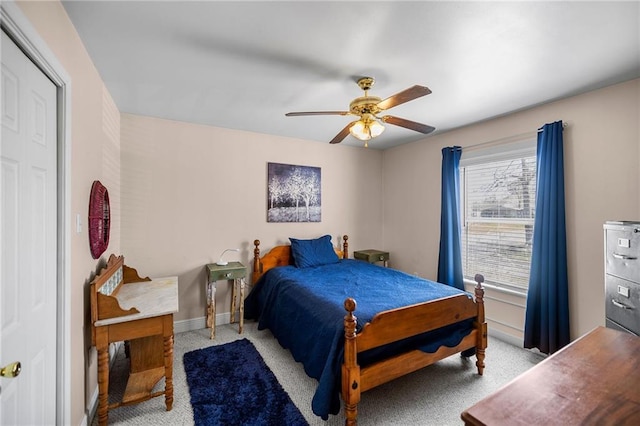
[[594, 380]]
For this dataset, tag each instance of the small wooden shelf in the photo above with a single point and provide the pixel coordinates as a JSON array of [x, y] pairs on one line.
[[140, 385]]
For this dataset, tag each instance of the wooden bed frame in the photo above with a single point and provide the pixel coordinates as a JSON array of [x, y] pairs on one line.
[[390, 326]]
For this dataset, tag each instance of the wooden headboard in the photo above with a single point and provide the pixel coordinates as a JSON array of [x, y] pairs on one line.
[[281, 256]]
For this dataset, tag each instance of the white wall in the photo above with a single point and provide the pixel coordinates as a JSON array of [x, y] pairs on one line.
[[602, 182]]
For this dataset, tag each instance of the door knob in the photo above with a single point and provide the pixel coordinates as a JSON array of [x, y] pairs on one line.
[[11, 370]]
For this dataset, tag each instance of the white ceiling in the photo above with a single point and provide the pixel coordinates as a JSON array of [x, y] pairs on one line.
[[243, 65]]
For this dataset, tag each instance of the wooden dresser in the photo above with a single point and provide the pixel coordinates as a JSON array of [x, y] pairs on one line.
[[594, 380], [125, 307]]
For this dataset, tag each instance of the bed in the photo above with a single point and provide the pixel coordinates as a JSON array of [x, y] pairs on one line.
[[311, 310]]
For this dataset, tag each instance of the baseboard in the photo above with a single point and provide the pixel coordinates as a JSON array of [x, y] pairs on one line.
[[190, 324], [501, 335], [93, 401], [199, 323], [93, 408]]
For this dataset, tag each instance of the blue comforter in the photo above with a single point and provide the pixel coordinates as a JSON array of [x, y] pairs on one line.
[[304, 309]]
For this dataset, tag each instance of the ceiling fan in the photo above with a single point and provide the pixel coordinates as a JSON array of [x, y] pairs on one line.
[[369, 125]]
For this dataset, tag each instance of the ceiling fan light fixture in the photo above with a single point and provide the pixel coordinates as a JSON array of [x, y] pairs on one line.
[[375, 128], [366, 129], [359, 130]]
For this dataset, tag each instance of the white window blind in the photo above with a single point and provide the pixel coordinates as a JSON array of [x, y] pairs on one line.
[[498, 191]]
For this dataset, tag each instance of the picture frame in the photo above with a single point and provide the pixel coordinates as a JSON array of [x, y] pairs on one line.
[[294, 193]]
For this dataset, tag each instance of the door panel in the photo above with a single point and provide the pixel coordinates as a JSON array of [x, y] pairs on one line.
[[28, 294]]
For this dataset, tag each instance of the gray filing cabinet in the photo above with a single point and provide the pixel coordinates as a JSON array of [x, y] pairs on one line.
[[622, 276]]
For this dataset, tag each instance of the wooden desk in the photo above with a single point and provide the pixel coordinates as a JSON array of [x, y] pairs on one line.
[[594, 380], [140, 311]]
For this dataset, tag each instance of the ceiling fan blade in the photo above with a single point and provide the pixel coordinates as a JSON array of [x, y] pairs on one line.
[[343, 133], [297, 114], [405, 96], [408, 124]]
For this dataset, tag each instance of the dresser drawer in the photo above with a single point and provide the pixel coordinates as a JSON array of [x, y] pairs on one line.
[[622, 302], [622, 252]]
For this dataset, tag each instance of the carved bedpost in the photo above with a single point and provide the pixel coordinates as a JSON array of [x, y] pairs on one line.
[[256, 261], [480, 324], [345, 247], [350, 367]]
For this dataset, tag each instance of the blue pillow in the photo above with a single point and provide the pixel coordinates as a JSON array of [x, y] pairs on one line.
[[316, 252]]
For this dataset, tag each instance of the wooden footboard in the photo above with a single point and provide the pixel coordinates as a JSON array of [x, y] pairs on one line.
[[397, 324]]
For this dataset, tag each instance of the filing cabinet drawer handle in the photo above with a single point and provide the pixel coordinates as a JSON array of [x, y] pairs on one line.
[[620, 305], [623, 256]]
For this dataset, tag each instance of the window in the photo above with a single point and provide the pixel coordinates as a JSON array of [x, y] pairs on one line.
[[498, 191]]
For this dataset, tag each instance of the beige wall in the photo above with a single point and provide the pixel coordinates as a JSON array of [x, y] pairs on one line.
[[602, 182], [95, 155], [191, 191]]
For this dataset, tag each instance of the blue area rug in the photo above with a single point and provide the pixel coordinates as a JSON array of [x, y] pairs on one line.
[[231, 385]]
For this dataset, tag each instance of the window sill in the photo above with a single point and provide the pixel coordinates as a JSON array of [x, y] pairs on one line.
[[498, 289]]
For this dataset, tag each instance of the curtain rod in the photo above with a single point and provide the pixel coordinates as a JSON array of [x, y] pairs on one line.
[[508, 139]]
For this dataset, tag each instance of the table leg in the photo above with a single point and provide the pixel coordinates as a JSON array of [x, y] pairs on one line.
[[103, 385], [233, 302], [208, 288], [168, 363], [211, 311], [242, 284]]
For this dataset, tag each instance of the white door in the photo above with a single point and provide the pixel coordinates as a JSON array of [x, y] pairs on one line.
[[28, 238]]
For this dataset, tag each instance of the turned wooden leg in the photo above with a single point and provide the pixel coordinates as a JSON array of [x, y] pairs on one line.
[[168, 369], [480, 324], [350, 367], [103, 385], [480, 360]]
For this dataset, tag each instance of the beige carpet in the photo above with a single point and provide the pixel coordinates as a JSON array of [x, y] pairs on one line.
[[435, 395]]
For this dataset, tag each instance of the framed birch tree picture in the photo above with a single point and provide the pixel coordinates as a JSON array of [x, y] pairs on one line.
[[293, 193]]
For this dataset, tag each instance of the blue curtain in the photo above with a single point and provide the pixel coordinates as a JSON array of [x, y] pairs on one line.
[[450, 258], [547, 314]]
